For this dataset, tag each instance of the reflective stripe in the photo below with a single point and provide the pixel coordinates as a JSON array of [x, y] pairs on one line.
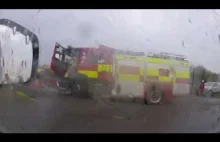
[[104, 68], [164, 79], [129, 77], [129, 73], [104, 72], [151, 71], [154, 74], [153, 60], [104, 75], [89, 70], [182, 74], [90, 74], [100, 71]]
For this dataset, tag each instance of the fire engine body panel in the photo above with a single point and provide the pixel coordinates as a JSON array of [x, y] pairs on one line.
[[98, 64], [182, 80], [128, 75], [177, 68], [135, 75]]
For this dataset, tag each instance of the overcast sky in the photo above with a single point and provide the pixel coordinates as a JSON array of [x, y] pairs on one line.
[[142, 30]]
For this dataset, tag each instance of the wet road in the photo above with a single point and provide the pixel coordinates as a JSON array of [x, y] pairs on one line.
[[37, 110]]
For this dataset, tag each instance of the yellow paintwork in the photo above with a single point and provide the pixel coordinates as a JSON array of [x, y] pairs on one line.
[[129, 77], [104, 68], [150, 71], [153, 71]]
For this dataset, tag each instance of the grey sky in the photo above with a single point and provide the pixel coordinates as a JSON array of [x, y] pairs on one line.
[[143, 30]]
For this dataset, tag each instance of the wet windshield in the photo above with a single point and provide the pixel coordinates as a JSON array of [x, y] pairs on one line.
[[127, 70]]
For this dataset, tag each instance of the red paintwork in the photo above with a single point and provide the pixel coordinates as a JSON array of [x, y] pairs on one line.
[[106, 52], [84, 51], [182, 80], [88, 67], [79, 60], [104, 76], [84, 63], [107, 55], [167, 90], [164, 72]]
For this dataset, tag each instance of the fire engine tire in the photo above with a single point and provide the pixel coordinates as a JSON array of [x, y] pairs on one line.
[[80, 86], [79, 89], [153, 97]]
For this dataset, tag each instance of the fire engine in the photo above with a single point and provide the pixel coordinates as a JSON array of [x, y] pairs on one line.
[[154, 78]]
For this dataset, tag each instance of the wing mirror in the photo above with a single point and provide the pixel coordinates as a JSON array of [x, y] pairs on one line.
[[19, 53]]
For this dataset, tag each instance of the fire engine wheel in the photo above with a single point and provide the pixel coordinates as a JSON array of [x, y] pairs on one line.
[[75, 89], [80, 87], [154, 97]]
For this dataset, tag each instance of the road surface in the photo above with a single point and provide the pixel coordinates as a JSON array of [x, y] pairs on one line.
[[25, 109]]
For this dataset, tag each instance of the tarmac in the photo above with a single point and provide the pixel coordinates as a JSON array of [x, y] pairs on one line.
[[26, 109]]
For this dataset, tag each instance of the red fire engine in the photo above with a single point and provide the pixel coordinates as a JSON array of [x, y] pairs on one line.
[[102, 66]]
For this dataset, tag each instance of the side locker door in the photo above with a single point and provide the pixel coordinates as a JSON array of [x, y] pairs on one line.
[[129, 80]]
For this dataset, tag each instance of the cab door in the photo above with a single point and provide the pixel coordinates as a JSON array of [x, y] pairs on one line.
[[57, 64]]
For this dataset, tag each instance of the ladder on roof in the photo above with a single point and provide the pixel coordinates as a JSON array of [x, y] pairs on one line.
[[166, 55]]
